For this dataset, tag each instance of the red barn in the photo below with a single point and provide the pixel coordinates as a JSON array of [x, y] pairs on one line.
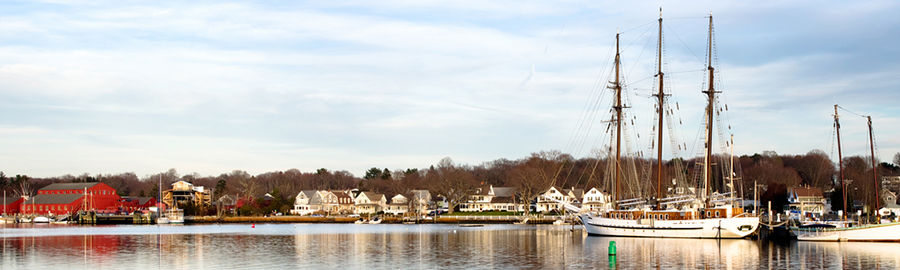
[[67, 198], [11, 205]]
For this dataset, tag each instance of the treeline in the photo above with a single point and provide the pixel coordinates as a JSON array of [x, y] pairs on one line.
[[530, 175]]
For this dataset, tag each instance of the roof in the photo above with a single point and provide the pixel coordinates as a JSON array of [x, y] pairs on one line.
[[54, 198], [502, 200], [70, 186], [373, 196], [140, 200], [9, 200], [807, 192], [504, 191]]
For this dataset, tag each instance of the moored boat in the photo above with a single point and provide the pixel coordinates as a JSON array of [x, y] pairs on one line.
[[884, 232]]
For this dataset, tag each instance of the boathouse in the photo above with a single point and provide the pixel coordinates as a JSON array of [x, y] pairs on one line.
[[11, 205], [67, 198]]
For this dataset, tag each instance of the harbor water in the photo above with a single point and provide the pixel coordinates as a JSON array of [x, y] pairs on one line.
[[396, 246]]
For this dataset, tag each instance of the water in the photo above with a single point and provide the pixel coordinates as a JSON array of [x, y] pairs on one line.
[[394, 246]]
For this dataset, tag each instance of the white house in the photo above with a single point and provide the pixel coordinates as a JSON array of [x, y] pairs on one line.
[[307, 202], [490, 198], [421, 201], [544, 205], [370, 203], [399, 205], [595, 200], [807, 200], [345, 202]]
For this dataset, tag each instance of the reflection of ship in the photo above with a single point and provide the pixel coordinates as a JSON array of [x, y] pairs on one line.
[[876, 232], [684, 215]]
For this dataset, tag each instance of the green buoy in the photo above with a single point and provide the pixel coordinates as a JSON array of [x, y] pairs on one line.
[[612, 248]]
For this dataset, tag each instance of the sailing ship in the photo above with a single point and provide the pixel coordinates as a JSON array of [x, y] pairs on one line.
[[685, 215], [885, 232]]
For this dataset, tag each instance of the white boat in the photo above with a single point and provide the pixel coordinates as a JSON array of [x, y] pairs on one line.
[[376, 220], [41, 220], [175, 216], [883, 232], [360, 221], [695, 214], [523, 222], [732, 227], [889, 232]]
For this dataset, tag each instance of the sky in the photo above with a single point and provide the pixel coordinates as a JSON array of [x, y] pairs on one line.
[[207, 87]]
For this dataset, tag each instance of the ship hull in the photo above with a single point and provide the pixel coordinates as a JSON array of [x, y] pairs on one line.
[[889, 232], [716, 228]]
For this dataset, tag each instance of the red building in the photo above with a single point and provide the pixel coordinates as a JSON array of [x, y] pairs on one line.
[[11, 205], [131, 204], [68, 198]]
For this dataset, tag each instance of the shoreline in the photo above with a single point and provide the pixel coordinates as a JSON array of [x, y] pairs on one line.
[[391, 220]]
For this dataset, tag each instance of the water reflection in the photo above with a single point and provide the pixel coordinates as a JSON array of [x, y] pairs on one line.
[[338, 246]]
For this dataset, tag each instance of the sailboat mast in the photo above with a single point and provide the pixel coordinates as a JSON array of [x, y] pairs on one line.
[[661, 96], [711, 94], [837, 127], [618, 88], [874, 167]]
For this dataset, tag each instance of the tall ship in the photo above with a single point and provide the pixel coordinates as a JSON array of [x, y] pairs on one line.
[[881, 231], [682, 212]]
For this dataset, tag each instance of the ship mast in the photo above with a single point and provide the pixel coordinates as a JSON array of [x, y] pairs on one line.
[[711, 95], [661, 96], [874, 167], [837, 127], [617, 86]]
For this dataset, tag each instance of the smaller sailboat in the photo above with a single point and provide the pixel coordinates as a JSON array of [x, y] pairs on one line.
[[885, 232]]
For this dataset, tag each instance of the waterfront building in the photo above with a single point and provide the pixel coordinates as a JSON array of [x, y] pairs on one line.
[[490, 198], [807, 200], [131, 204], [399, 205], [544, 205], [345, 202], [184, 193], [67, 198], [11, 205], [595, 200], [370, 203], [421, 201]]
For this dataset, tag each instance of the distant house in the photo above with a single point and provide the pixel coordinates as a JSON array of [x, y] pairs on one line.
[[542, 204], [595, 200], [421, 201], [67, 198], [184, 193], [399, 205], [308, 202], [505, 200], [490, 198], [890, 204], [806, 200], [370, 203], [345, 202]]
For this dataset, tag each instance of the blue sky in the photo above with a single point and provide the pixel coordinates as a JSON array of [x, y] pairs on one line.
[[210, 87]]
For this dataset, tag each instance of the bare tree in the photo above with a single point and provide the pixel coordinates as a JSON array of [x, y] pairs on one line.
[[455, 183], [537, 174]]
